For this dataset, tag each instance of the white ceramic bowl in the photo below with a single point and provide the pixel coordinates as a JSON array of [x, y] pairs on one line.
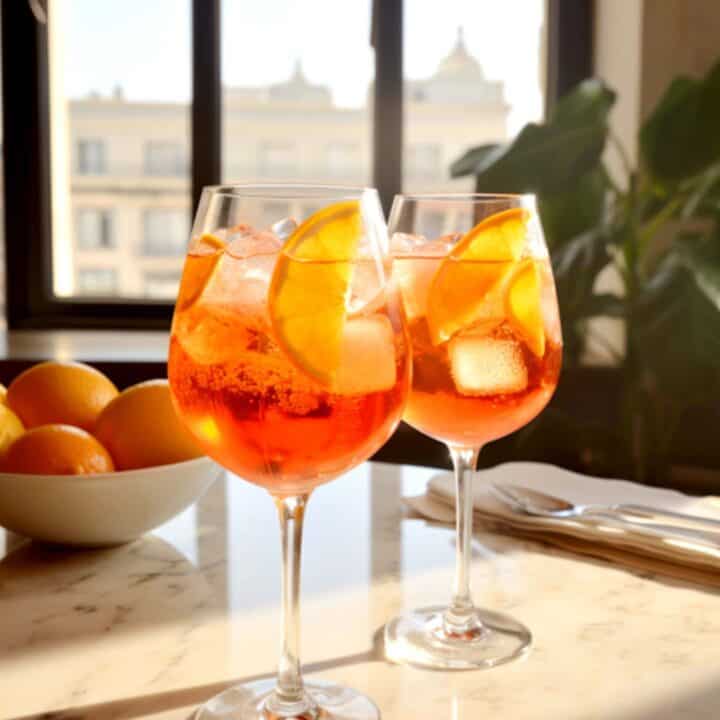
[[102, 509]]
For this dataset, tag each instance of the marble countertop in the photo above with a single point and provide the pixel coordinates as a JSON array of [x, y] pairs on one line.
[[149, 630]]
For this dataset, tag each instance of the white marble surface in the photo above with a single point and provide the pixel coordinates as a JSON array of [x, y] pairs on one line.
[[151, 629]]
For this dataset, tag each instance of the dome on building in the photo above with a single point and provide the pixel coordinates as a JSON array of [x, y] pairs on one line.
[[460, 63], [458, 80], [298, 90]]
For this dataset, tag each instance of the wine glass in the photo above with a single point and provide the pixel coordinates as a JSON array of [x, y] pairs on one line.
[[483, 320], [289, 364]]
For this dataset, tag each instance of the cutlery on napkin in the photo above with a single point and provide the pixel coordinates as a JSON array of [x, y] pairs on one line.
[[633, 546]]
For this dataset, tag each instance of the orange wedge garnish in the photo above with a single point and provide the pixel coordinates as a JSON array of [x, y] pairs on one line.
[[309, 289], [200, 266], [523, 309], [461, 288]]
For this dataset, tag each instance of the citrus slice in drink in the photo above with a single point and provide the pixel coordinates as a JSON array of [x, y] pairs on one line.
[[523, 308], [461, 288], [200, 266], [310, 287]]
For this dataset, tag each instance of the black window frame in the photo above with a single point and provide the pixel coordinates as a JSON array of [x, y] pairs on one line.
[[30, 302]]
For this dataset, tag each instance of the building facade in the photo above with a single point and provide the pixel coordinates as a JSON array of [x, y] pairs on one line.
[[128, 166]]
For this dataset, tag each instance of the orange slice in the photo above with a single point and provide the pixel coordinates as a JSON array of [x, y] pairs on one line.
[[200, 266], [523, 309], [481, 261], [310, 287]]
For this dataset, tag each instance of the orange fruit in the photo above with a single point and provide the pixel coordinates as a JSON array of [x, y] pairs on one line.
[[10, 428], [60, 392], [481, 261], [522, 305], [198, 271], [140, 428], [57, 450], [3, 394], [309, 289]]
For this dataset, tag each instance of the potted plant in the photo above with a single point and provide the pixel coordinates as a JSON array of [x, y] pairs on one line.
[[656, 224]]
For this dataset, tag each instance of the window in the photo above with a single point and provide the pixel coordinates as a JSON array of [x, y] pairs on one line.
[[164, 158], [94, 229], [467, 83], [278, 160], [116, 136], [128, 126], [423, 160], [97, 281], [90, 157], [296, 108], [166, 232], [342, 160], [161, 284]]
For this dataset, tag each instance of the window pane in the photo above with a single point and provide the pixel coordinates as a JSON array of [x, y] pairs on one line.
[[165, 232], [296, 89], [120, 145], [472, 76], [97, 281]]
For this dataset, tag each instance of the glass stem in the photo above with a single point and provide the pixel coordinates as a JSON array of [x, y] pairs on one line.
[[290, 699], [460, 618]]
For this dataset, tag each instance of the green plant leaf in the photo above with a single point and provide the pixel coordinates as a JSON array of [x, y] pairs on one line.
[[680, 139], [551, 157], [604, 305], [567, 214], [466, 164], [702, 258], [576, 266]]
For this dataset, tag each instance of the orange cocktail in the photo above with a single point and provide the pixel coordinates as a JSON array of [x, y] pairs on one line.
[[255, 411], [485, 334], [249, 394], [486, 348], [289, 362]]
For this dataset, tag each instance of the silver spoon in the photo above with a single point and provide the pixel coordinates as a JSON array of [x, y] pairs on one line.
[[533, 502]]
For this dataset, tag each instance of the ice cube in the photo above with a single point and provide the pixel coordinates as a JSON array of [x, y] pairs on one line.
[[210, 334], [367, 286], [482, 365], [283, 229], [449, 240], [367, 356], [406, 243], [414, 277], [241, 283], [247, 243]]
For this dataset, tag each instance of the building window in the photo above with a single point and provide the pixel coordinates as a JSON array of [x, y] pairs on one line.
[[91, 157], [425, 161], [165, 159], [278, 159], [342, 159], [97, 281], [95, 229], [165, 232], [162, 285]]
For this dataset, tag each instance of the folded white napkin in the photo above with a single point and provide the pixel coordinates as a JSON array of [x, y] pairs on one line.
[[635, 547]]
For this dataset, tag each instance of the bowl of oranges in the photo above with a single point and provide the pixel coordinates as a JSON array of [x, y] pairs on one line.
[[84, 464]]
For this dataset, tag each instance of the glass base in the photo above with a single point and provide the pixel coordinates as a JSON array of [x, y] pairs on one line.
[[419, 638], [327, 702]]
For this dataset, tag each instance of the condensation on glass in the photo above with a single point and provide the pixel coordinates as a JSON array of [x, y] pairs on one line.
[[473, 75], [297, 96], [120, 139]]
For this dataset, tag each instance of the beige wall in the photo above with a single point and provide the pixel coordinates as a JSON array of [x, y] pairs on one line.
[[640, 46]]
